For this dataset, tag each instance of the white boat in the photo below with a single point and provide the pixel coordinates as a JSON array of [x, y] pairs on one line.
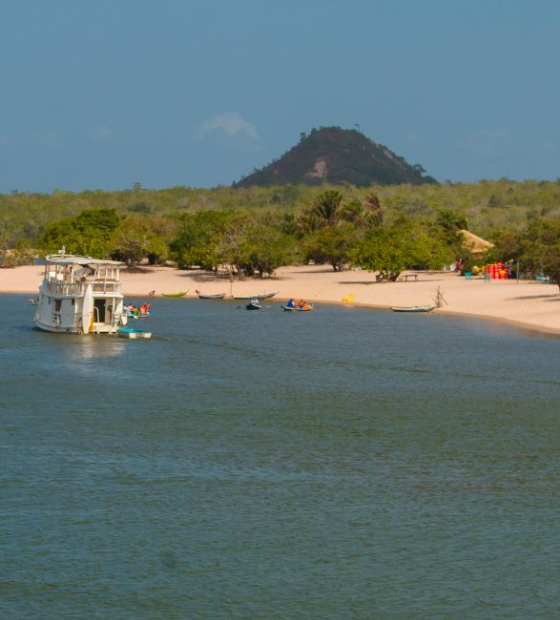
[[80, 295], [412, 308], [258, 296]]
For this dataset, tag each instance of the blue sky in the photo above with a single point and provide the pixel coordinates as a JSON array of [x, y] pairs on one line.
[[106, 93]]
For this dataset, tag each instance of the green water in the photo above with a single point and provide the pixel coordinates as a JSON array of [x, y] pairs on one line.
[[337, 464]]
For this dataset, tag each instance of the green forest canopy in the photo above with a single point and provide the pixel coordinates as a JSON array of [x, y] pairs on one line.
[[488, 205]]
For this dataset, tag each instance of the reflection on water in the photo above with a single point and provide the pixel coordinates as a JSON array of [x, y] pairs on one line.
[[268, 465], [84, 348]]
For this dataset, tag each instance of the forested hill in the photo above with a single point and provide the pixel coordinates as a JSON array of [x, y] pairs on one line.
[[338, 156]]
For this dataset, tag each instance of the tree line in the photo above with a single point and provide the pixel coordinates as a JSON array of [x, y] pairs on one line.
[[334, 229], [386, 230]]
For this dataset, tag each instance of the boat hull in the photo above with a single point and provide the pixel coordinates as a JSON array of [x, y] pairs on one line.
[[181, 294], [132, 334], [54, 329], [263, 296], [217, 296], [413, 309], [295, 309]]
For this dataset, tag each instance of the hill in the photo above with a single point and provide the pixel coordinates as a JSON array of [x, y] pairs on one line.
[[337, 156]]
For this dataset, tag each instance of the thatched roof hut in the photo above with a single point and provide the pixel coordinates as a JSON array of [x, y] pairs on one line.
[[474, 244]]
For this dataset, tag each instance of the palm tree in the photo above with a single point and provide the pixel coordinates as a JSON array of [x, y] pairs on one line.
[[373, 205], [355, 213], [327, 207]]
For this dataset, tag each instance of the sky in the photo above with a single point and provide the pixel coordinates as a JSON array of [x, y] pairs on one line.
[[102, 94]]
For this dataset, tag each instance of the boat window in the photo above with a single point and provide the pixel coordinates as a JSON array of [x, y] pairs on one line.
[[73, 302], [57, 305]]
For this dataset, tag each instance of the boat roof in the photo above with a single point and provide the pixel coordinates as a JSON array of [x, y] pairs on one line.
[[70, 259]]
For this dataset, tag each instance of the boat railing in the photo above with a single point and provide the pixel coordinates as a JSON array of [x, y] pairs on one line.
[[62, 287], [55, 287], [106, 287]]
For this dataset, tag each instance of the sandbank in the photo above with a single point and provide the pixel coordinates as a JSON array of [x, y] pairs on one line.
[[526, 304]]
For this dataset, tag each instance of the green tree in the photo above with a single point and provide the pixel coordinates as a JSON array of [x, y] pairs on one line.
[[541, 248], [135, 239], [88, 234], [383, 250], [196, 243], [332, 245], [426, 250]]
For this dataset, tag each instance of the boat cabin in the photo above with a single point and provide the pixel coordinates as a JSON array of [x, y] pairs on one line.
[[80, 294]]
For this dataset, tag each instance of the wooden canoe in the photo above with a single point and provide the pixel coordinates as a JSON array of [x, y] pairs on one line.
[[180, 294], [214, 296]]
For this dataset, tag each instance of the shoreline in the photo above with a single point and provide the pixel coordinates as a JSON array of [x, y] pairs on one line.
[[526, 305]]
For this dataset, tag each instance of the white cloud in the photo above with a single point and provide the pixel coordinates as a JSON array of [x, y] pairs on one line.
[[231, 124]]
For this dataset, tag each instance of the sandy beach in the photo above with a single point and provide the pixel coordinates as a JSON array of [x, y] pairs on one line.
[[527, 304]]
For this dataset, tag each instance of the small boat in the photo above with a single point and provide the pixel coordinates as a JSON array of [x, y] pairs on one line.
[[214, 296], [180, 294], [412, 308], [128, 332], [307, 308], [253, 305], [261, 296], [34, 301]]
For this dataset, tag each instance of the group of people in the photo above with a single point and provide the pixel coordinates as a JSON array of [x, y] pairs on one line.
[[141, 311], [298, 304]]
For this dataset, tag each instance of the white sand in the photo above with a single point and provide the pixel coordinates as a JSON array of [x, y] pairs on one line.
[[528, 304]]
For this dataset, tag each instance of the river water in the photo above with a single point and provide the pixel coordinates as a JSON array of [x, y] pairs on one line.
[[337, 464]]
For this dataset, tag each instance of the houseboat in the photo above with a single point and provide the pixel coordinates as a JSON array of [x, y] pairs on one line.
[[80, 295]]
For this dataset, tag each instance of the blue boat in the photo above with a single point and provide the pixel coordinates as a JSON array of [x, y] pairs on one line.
[[128, 332]]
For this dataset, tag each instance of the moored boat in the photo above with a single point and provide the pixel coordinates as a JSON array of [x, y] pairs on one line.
[[261, 296], [211, 296], [306, 308], [128, 332], [179, 294], [80, 295], [412, 308], [253, 305]]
